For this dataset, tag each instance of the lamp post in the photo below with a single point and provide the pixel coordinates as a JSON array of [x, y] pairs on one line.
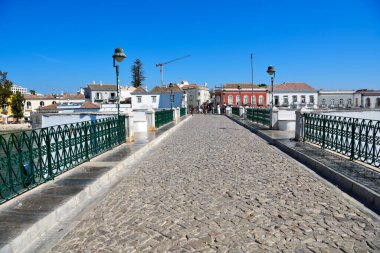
[[118, 56], [272, 73], [239, 88], [171, 96]]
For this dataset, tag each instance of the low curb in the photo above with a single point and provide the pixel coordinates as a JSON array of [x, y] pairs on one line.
[[363, 194], [72, 207]]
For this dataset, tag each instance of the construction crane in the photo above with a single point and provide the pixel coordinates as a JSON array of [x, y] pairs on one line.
[[161, 65]]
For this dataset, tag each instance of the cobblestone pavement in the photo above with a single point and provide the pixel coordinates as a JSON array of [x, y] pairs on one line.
[[213, 186]]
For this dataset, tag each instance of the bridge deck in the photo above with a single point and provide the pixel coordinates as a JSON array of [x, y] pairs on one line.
[[213, 186]]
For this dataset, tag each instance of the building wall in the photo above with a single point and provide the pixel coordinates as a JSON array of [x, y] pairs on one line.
[[196, 97], [373, 99], [31, 105], [105, 96], [146, 101], [165, 100], [291, 103], [332, 100], [232, 98]]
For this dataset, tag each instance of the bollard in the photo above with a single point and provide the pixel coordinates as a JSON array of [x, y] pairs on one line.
[[150, 120], [299, 123], [274, 118], [129, 131]]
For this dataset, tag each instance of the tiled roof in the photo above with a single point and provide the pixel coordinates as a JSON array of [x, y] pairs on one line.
[[73, 96], [292, 87], [104, 87], [157, 89], [88, 105], [242, 85], [49, 107], [193, 86], [139, 90], [174, 88], [31, 97]]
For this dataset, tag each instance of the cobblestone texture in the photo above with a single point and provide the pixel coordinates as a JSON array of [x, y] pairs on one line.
[[213, 186]]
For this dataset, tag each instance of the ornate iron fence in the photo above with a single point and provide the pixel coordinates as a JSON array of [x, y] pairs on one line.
[[236, 111], [163, 117], [259, 115], [182, 112], [359, 139], [30, 158]]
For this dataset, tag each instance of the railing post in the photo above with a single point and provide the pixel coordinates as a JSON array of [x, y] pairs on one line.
[[129, 130], [299, 125], [150, 120], [353, 129], [48, 154], [323, 131], [274, 118]]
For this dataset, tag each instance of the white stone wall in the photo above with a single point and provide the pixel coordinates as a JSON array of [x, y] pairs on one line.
[[197, 97], [290, 95]]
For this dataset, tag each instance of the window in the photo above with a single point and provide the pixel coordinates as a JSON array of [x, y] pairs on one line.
[[54, 102], [368, 102], [238, 100], [261, 100], [98, 95], [253, 100], [28, 105], [154, 99], [356, 102], [230, 100], [349, 102], [332, 102], [113, 95], [245, 99], [286, 100], [303, 99], [377, 102], [276, 100], [311, 98], [323, 101], [138, 99], [341, 101], [199, 93], [42, 103], [294, 99]]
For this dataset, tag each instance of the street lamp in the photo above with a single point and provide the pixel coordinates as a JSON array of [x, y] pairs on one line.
[[239, 88], [119, 56], [171, 96], [272, 73]]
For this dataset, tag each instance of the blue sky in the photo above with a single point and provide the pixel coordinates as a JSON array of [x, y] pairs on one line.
[[61, 45]]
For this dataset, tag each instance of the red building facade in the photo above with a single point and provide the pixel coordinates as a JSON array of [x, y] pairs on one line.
[[241, 94]]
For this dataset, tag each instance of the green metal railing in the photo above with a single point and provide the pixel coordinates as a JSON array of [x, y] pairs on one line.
[[30, 158], [259, 115], [359, 139], [182, 112], [236, 111], [163, 117]]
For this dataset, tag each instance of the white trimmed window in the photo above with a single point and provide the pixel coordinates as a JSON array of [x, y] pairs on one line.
[[138, 99], [154, 99], [238, 99], [230, 99], [245, 99], [253, 99], [261, 100]]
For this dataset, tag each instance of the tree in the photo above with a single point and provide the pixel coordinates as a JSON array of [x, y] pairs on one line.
[[17, 105], [33, 92], [137, 73], [5, 88], [262, 85]]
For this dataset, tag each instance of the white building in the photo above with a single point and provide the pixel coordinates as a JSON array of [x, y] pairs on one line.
[[33, 102], [367, 98], [336, 98], [196, 95], [101, 93], [293, 95], [143, 100], [16, 88]]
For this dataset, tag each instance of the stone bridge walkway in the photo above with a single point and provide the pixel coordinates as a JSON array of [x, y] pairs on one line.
[[213, 186]]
